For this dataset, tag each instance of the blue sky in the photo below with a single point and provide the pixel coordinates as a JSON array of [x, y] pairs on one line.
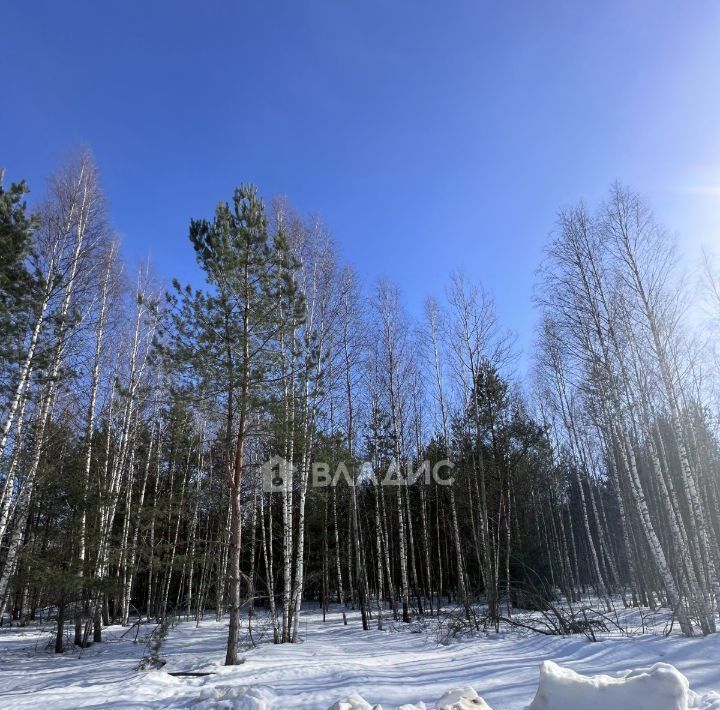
[[429, 136]]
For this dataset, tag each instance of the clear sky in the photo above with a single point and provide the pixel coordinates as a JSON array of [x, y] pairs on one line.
[[428, 135]]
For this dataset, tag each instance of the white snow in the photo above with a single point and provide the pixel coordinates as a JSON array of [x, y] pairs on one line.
[[660, 687], [388, 668], [454, 699], [461, 699], [352, 702]]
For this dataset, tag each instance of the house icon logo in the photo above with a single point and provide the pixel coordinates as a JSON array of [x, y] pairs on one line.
[[276, 474]]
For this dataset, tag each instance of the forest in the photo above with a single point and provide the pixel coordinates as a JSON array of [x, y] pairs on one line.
[[140, 418]]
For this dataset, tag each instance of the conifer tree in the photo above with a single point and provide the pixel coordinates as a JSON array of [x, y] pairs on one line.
[[222, 340], [18, 281]]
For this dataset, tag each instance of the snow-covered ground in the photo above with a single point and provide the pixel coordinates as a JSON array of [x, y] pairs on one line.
[[394, 667]]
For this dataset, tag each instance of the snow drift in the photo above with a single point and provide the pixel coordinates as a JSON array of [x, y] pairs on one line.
[[461, 699], [660, 687], [455, 699]]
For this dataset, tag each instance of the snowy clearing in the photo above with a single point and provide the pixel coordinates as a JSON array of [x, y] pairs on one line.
[[395, 667]]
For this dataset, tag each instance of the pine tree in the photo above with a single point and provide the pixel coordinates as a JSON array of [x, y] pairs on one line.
[[221, 341], [19, 282]]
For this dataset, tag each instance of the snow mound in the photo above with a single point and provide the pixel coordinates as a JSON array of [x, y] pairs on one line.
[[455, 699], [354, 701], [709, 701], [461, 699], [660, 687]]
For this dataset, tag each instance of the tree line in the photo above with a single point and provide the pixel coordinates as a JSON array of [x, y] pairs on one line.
[[138, 421]]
